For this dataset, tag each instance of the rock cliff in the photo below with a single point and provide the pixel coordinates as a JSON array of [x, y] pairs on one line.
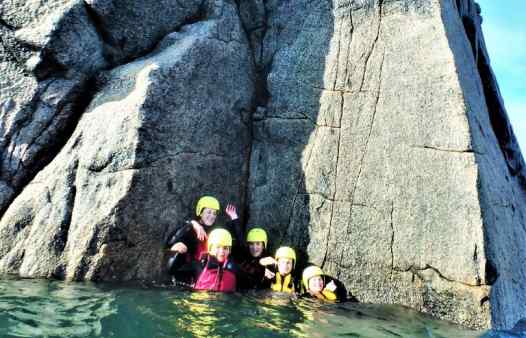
[[370, 134]]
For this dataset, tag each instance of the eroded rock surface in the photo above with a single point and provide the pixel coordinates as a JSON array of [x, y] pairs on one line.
[[369, 134]]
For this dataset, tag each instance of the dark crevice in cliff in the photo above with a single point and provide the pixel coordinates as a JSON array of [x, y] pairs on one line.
[[80, 99], [347, 65], [110, 46], [259, 102], [61, 236]]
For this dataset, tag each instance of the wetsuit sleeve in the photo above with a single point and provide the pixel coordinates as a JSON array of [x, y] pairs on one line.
[[184, 234], [234, 227]]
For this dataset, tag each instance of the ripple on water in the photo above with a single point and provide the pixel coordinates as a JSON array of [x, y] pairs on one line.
[[41, 308]]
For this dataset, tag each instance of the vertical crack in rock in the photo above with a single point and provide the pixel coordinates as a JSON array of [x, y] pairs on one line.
[[338, 55], [61, 237], [260, 100], [360, 167], [342, 107], [347, 66], [373, 118], [301, 182], [336, 177], [392, 239], [366, 64]]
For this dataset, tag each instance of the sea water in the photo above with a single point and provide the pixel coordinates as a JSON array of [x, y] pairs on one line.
[[45, 308]]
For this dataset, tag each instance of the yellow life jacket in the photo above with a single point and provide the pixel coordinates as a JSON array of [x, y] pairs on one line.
[[283, 284], [325, 295], [329, 295]]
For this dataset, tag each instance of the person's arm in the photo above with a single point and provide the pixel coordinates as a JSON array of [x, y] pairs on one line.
[[179, 234], [186, 235], [234, 226]]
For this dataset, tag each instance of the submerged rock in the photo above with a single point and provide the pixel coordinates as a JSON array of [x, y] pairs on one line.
[[369, 134]]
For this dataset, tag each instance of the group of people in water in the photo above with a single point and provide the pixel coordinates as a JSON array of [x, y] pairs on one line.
[[207, 257]]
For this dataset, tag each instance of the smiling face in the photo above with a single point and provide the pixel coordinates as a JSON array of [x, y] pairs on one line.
[[256, 248], [316, 284], [208, 216], [285, 266], [220, 252]]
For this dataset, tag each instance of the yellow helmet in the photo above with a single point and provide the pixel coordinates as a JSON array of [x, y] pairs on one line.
[[257, 235], [310, 272], [206, 202], [286, 252], [219, 237]]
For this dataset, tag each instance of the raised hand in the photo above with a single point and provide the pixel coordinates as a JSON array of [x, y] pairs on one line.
[[269, 274], [331, 286], [199, 231], [231, 211], [179, 247]]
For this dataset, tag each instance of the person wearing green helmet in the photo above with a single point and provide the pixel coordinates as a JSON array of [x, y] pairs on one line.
[[282, 280], [188, 243], [217, 270], [316, 284], [252, 272]]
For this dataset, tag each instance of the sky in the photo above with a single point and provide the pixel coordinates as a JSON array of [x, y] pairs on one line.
[[504, 28]]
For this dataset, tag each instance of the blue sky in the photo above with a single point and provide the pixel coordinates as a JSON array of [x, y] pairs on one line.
[[504, 27]]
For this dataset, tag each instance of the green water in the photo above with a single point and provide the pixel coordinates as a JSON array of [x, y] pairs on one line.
[[41, 308]]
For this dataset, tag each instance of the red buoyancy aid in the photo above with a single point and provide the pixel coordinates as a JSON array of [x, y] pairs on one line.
[[217, 276]]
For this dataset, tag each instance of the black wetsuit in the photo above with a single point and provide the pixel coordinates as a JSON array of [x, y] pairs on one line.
[[185, 267], [252, 274]]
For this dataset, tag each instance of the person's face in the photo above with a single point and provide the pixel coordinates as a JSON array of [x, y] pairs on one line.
[[208, 216], [284, 266], [220, 252], [256, 248], [316, 284]]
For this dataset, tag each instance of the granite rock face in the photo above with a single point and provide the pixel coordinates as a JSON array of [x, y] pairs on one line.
[[101, 208], [369, 134], [385, 152]]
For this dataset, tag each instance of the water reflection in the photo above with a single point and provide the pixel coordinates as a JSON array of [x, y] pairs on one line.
[[39, 308]]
